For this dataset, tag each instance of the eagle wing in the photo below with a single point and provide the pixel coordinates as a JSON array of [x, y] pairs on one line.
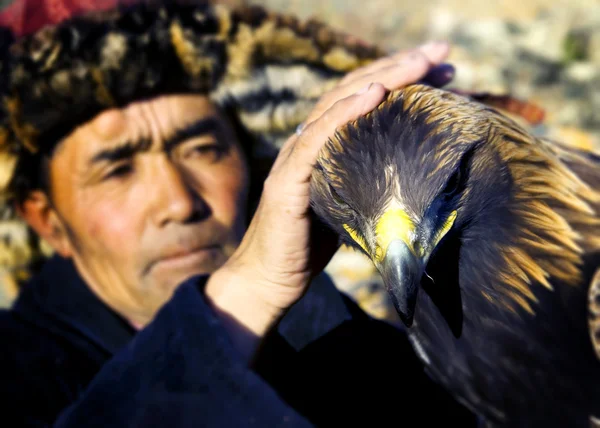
[[587, 166], [594, 312]]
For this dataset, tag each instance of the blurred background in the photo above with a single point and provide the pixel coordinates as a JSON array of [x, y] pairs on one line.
[[546, 52]]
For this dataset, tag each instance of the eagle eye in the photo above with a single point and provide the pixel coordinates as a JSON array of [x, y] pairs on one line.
[[336, 197], [452, 184], [458, 180]]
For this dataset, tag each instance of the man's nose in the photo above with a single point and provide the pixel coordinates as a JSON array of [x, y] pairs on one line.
[[175, 200]]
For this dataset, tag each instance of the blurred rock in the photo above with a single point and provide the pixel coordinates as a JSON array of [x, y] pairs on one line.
[[485, 38], [545, 38], [574, 137], [355, 275], [581, 73], [594, 48], [443, 23], [8, 290]]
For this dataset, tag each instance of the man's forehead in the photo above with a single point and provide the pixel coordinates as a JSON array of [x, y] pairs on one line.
[[173, 110], [140, 120]]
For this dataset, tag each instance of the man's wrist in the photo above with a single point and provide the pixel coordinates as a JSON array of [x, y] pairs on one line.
[[245, 315]]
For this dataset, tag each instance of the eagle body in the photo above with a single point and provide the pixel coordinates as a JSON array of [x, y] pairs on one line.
[[488, 241]]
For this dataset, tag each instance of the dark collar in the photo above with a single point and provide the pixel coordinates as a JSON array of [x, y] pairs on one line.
[[59, 301]]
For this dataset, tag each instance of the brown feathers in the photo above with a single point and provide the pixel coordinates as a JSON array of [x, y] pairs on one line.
[[557, 208], [594, 312], [551, 199], [529, 111]]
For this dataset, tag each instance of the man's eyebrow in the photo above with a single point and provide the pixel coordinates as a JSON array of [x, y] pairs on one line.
[[124, 151], [207, 125]]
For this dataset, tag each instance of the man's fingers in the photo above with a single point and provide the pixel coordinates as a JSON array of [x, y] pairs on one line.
[[306, 148], [368, 69], [410, 70], [407, 71], [435, 52]]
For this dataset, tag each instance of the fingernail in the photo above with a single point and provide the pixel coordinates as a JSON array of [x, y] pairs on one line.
[[365, 89], [440, 75]]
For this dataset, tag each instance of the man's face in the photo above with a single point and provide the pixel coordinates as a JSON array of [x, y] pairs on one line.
[[150, 195]]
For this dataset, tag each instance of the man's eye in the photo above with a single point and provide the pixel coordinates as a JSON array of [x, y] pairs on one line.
[[212, 152], [119, 171]]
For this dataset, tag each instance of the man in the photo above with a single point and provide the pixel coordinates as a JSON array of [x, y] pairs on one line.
[[170, 302]]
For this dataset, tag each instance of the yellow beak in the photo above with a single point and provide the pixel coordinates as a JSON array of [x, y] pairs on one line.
[[400, 256]]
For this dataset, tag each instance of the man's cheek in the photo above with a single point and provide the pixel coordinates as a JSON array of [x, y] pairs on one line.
[[236, 185], [225, 189], [232, 200], [109, 225]]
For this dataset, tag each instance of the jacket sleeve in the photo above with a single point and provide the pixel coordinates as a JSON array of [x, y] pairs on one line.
[[363, 372], [179, 371]]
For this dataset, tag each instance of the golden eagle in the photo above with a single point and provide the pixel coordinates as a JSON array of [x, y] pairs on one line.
[[488, 241]]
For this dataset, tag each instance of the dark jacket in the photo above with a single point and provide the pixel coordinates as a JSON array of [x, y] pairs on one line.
[[66, 355]]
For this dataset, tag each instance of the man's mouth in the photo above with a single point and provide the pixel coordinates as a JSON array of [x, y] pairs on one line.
[[187, 260]]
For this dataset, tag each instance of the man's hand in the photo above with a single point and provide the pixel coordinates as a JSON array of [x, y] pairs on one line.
[[273, 265]]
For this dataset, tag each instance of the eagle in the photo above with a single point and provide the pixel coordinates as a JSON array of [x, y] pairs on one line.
[[487, 239]]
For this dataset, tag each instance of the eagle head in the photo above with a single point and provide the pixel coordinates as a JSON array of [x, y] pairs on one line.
[[412, 175]]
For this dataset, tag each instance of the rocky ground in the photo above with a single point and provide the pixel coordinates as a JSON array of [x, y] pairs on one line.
[[544, 51]]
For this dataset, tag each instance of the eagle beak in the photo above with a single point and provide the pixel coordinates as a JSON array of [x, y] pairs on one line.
[[399, 260], [401, 271]]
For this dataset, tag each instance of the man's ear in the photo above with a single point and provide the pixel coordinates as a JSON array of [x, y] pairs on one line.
[[37, 211]]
